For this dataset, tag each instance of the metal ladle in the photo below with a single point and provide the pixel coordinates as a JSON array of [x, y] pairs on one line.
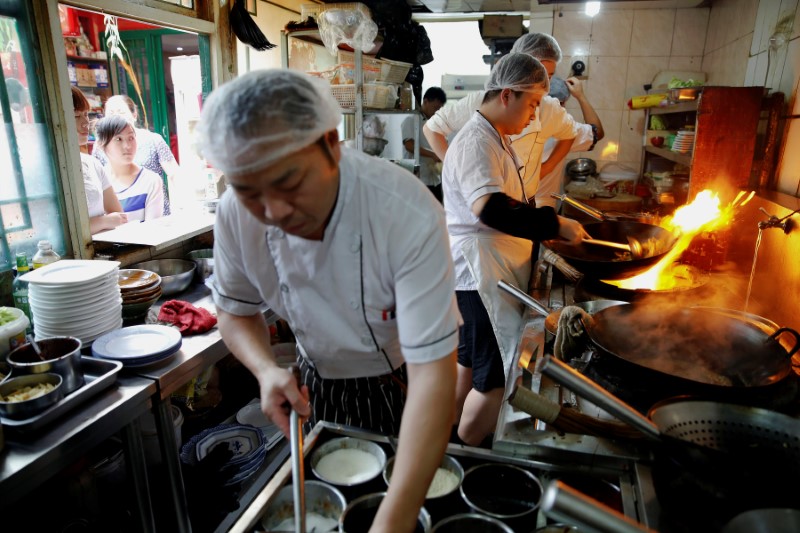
[[35, 347]]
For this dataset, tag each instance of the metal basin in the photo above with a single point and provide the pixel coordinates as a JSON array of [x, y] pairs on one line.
[[59, 355], [176, 274]]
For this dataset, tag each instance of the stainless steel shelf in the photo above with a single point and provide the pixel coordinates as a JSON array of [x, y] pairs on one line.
[[666, 153], [682, 107]]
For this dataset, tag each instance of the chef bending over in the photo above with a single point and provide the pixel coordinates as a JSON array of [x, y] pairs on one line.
[[491, 226], [352, 251]]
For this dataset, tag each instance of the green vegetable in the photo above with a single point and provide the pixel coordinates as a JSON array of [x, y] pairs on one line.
[[677, 83], [6, 316], [657, 123]]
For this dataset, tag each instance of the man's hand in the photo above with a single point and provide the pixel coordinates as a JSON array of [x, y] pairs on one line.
[[575, 87], [571, 230], [279, 394]]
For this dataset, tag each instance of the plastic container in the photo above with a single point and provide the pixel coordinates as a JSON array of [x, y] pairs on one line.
[[19, 289], [152, 451], [45, 256], [12, 334]]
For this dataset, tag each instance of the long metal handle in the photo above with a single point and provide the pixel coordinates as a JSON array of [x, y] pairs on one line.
[[589, 210], [565, 504], [298, 477], [584, 387], [524, 298], [609, 244]]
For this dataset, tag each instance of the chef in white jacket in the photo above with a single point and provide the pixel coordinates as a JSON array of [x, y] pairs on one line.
[[491, 226], [352, 251], [551, 120]]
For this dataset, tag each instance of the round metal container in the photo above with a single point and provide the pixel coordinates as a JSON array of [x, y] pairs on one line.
[[502, 491], [350, 477], [34, 406], [360, 513], [321, 499], [204, 259], [59, 355], [176, 274], [471, 523], [449, 463]]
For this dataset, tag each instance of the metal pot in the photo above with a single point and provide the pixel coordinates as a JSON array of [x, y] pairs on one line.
[[693, 287], [711, 460], [578, 169], [59, 355]]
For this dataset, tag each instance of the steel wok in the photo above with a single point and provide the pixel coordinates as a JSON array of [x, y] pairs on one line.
[[607, 263]]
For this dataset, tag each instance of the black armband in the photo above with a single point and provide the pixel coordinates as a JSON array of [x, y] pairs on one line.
[[594, 138], [505, 214]]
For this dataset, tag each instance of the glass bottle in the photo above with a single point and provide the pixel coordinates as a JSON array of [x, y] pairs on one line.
[[45, 255], [19, 289]]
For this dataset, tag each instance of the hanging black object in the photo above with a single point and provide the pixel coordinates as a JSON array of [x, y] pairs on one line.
[[246, 29]]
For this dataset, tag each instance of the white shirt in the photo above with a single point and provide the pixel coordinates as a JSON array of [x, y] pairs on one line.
[[553, 182], [427, 165], [376, 290], [477, 163], [144, 198], [95, 182], [551, 120]]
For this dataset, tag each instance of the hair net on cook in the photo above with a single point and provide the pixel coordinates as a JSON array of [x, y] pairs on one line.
[[539, 45], [258, 118], [559, 89], [518, 72]]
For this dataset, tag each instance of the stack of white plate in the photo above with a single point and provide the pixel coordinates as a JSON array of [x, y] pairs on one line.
[[75, 298], [684, 142]]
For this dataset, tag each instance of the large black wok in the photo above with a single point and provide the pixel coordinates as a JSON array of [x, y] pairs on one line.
[[660, 351], [607, 263], [711, 460]]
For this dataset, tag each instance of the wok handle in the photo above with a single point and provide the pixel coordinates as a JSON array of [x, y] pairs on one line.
[[524, 298], [580, 206], [563, 503], [794, 334], [584, 387]]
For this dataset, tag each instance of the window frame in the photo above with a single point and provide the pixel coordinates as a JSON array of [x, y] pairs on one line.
[[207, 19]]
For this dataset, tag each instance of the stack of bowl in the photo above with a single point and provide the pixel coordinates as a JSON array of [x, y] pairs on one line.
[[140, 290]]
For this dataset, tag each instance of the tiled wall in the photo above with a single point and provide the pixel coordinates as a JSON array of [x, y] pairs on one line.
[[624, 50]]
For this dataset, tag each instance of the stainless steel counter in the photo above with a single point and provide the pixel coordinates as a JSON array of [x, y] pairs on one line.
[[29, 461]]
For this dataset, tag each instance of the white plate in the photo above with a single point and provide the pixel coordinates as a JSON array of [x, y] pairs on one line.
[[251, 414], [93, 331], [71, 272], [137, 342], [53, 314], [90, 327], [241, 440], [61, 293]]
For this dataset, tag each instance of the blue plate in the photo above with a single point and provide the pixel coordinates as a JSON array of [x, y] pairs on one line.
[[138, 345], [241, 440]]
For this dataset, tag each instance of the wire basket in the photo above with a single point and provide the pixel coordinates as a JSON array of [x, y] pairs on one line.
[[375, 96], [394, 71]]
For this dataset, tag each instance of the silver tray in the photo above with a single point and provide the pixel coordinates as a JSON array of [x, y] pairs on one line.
[[98, 375]]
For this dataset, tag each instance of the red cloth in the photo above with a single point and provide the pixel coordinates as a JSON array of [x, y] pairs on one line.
[[189, 319]]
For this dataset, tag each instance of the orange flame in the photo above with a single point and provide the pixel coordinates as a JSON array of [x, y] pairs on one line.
[[703, 214]]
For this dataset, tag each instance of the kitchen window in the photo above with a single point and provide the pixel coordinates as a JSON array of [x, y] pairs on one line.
[[30, 195]]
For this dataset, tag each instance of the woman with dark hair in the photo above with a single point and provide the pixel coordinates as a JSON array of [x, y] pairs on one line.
[[139, 190], [152, 153], [105, 211]]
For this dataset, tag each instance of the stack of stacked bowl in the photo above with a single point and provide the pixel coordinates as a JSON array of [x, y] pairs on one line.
[[140, 290]]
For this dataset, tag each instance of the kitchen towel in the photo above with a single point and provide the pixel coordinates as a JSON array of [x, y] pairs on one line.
[[190, 320], [569, 342]]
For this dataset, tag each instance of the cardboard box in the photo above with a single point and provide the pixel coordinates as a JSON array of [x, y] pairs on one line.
[[502, 26]]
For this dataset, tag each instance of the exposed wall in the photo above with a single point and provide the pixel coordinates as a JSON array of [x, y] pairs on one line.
[[271, 19], [624, 50]]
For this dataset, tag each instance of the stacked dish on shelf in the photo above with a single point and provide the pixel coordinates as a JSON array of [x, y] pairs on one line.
[[137, 346], [140, 289], [247, 444], [684, 142], [75, 298]]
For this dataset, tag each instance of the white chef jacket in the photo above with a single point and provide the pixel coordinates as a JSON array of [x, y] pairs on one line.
[[552, 183], [376, 290], [427, 165], [95, 182], [478, 163], [551, 120]]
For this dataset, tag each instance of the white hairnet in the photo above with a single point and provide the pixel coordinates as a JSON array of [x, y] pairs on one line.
[[258, 118], [518, 72], [539, 45], [559, 89]]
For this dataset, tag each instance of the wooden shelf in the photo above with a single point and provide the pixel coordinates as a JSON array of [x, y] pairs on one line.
[[666, 153], [86, 59]]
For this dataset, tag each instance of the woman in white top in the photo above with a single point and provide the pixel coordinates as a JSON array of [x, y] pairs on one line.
[[138, 189], [105, 211]]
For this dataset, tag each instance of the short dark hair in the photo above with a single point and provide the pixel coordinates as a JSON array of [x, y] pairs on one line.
[[106, 128], [435, 94], [79, 101]]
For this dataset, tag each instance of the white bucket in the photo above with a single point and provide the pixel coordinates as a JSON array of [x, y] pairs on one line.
[[152, 451], [12, 334]]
